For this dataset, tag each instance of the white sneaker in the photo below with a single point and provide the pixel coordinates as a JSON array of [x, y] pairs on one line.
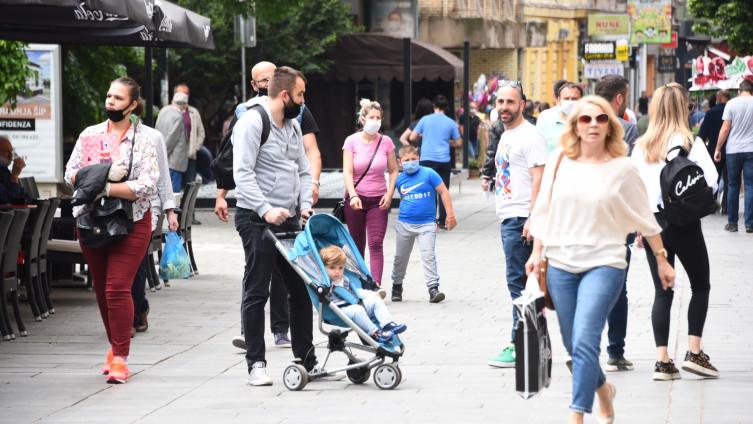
[[239, 342], [258, 375]]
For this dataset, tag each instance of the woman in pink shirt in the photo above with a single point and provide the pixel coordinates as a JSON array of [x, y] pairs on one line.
[[369, 196]]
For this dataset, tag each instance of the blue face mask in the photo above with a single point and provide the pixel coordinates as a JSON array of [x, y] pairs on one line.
[[411, 166]]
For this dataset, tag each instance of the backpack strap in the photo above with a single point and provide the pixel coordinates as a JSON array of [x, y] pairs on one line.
[[683, 152], [265, 124]]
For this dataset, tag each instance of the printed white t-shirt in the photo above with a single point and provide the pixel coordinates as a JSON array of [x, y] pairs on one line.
[[519, 150]]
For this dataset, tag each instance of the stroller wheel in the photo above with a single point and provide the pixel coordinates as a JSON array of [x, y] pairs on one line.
[[295, 377], [358, 375], [387, 376]]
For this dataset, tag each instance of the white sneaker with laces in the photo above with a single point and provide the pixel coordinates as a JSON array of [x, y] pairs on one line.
[[258, 375]]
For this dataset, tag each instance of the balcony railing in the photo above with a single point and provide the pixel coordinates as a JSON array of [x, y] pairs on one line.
[[497, 10]]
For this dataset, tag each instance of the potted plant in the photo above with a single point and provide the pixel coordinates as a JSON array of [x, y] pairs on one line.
[[473, 171]]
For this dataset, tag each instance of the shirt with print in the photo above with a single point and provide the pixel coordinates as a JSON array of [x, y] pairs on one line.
[[418, 193], [519, 150], [740, 112], [436, 131], [374, 183]]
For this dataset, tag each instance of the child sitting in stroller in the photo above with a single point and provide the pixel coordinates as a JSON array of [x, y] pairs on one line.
[[370, 305]]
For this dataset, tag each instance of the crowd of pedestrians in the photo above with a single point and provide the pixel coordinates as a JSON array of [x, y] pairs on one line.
[[584, 235]]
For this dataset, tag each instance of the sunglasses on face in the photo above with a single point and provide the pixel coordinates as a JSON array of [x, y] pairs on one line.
[[586, 119]]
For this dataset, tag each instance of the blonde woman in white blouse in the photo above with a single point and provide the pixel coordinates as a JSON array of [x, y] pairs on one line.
[[667, 129], [580, 221]]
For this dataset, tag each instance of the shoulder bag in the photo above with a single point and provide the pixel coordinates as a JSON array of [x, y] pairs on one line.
[[107, 219], [543, 264], [339, 210]]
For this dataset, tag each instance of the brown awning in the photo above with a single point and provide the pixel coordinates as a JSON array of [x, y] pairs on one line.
[[374, 57]]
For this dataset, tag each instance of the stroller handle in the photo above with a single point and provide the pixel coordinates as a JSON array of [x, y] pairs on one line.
[[280, 236]]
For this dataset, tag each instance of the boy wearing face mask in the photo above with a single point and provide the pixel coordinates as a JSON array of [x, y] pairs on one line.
[[10, 190], [418, 187]]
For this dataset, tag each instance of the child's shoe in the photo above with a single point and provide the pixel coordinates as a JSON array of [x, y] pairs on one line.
[[108, 362], [119, 372], [395, 327], [435, 296], [382, 336]]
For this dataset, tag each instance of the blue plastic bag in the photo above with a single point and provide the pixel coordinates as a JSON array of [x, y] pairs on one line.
[[175, 262]]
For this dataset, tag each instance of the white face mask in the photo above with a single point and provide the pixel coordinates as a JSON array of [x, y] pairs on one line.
[[566, 106], [372, 126]]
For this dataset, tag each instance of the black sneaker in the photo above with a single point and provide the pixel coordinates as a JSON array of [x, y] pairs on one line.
[[732, 228], [749, 229], [699, 364], [435, 296], [397, 293], [666, 371]]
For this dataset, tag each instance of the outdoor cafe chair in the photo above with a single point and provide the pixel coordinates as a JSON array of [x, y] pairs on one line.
[[29, 184], [5, 220], [30, 271], [43, 242], [10, 270], [187, 229], [155, 245]]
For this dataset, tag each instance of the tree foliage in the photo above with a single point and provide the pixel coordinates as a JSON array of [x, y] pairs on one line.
[[727, 19], [14, 70]]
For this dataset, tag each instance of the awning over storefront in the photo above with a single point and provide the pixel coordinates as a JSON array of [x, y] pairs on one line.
[[374, 57]]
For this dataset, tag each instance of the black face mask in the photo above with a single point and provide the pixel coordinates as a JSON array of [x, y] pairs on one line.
[[292, 109], [116, 115], [262, 92]]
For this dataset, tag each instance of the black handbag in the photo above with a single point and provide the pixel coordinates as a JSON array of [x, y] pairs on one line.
[[107, 219], [339, 210]]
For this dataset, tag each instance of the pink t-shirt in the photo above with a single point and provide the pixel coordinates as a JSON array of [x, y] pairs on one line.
[[373, 184]]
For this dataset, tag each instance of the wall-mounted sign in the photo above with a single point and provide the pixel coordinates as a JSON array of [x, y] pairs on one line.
[[622, 50], [603, 50], [667, 63], [596, 70], [672, 44], [650, 21], [607, 25]]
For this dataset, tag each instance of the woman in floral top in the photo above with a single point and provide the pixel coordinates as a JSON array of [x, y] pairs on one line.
[[113, 267]]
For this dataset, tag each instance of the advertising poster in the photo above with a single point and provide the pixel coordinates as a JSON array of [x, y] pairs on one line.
[[34, 127], [716, 73], [650, 21], [394, 17]]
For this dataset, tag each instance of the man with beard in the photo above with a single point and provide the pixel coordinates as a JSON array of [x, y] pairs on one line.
[[519, 161]]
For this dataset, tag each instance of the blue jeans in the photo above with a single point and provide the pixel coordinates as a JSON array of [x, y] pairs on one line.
[[373, 306], [583, 302], [176, 178], [617, 319], [517, 251], [740, 165]]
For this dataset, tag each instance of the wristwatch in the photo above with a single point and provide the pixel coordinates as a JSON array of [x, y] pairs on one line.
[[662, 252]]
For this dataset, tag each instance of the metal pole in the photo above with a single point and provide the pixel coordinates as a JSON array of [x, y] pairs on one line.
[[242, 30], [148, 85], [407, 80], [466, 101]]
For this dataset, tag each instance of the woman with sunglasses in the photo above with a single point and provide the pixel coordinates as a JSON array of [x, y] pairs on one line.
[[133, 176], [591, 198], [667, 129]]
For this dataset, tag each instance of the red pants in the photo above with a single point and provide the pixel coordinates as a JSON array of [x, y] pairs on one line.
[[113, 269]]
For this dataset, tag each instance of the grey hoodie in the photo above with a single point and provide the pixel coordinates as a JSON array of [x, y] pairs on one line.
[[277, 175]]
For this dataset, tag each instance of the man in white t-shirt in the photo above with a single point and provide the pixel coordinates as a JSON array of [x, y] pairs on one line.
[[737, 132], [519, 161]]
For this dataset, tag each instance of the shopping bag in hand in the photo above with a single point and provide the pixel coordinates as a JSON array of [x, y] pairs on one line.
[[175, 262], [533, 349]]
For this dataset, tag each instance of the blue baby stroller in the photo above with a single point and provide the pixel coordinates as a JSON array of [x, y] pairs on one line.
[[302, 252]]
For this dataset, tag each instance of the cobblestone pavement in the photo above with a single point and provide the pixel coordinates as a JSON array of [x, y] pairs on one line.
[[187, 371]]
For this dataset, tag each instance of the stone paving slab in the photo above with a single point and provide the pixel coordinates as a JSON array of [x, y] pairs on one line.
[[187, 371]]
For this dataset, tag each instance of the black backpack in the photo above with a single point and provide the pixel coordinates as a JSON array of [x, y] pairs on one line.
[[222, 164], [686, 196]]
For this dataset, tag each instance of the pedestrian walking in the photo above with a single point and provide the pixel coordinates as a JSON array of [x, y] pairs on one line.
[[273, 191], [475, 122], [709, 133], [551, 124], [423, 108], [737, 134], [162, 202], [418, 187], [171, 123], [438, 133], [667, 129], [614, 90], [367, 154], [113, 267], [519, 161], [581, 232], [194, 129]]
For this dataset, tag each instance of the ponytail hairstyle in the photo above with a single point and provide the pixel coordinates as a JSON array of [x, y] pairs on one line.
[[134, 90], [366, 107]]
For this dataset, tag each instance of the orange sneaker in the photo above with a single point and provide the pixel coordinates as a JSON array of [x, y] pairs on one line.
[[118, 371], [108, 362]]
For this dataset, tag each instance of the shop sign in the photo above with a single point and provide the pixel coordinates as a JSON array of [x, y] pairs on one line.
[[622, 49], [596, 70], [599, 51], [672, 44], [667, 63], [608, 25]]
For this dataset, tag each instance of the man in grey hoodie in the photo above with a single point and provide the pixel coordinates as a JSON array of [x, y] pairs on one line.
[[273, 190]]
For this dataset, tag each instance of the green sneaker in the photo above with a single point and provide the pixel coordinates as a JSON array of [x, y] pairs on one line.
[[505, 359]]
